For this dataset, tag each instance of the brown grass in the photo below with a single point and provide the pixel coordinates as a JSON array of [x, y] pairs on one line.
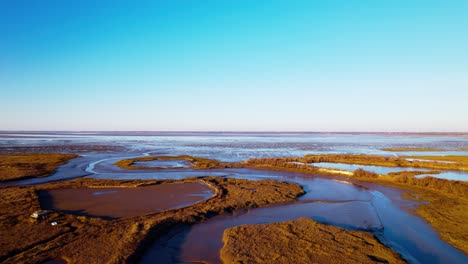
[[21, 166], [81, 239], [302, 241], [360, 173], [196, 162], [278, 164], [461, 162], [446, 214], [458, 159]]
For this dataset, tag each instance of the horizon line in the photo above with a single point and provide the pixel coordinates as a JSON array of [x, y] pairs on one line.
[[236, 131]]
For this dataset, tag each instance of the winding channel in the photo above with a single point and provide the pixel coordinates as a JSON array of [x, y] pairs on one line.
[[379, 210]]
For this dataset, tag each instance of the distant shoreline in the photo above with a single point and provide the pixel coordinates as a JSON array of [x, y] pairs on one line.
[[185, 133]]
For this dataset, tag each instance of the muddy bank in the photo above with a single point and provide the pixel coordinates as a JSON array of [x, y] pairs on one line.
[[84, 239], [112, 203], [302, 241]]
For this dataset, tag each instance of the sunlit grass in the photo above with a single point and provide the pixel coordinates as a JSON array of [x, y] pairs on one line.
[[28, 165]]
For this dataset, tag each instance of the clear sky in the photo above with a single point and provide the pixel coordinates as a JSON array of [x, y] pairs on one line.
[[234, 65]]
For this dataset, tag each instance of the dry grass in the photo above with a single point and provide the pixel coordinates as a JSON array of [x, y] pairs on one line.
[[21, 166], [81, 239], [446, 214], [302, 241], [278, 164], [460, 161], [196, 162]]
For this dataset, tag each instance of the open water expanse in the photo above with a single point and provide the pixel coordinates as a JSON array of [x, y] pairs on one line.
[[376, 209]]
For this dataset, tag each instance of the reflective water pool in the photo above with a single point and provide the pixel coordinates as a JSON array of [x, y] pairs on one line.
[[449, 175]]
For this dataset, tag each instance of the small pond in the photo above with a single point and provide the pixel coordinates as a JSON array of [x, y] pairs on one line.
[[166, 164], [112, 203]]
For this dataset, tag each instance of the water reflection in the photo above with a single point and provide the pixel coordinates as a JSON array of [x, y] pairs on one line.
[[449, 175], [353, 167]]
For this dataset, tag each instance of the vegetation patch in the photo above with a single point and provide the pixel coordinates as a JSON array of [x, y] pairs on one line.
[[279, 164], [446, 214], [460, 162], [195, 162], [29, 165], [302, 241]]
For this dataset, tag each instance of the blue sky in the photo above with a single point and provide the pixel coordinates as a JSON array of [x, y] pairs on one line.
[[234, 65]]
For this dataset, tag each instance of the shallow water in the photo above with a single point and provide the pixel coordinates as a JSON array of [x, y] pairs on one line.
[[111, 203], [371, 168], [166, 164], [241, 146], [449, 175]]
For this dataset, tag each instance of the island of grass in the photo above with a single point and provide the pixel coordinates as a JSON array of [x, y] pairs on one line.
[[29, 165], [450, 159], [195, 162], [76, 238], [459, 162], [302, 241]]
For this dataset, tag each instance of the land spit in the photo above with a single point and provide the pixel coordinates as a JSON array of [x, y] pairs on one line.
[[20, 166]]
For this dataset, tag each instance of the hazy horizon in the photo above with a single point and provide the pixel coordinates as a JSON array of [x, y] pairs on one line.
[[233, 132], [342, 66]]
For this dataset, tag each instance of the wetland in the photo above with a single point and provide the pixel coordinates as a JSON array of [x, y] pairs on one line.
[[190, 195]]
